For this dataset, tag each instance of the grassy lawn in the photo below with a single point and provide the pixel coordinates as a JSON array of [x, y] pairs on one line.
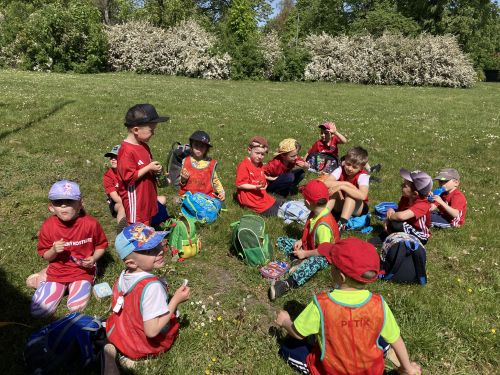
[[59, 126]]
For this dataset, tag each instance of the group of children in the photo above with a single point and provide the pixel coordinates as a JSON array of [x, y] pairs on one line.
[[143, 322]]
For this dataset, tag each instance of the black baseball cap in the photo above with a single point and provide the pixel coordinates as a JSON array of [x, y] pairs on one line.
[[141, 114], [200, 136]]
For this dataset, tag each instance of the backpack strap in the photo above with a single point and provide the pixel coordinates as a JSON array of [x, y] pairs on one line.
[[397, 264], [419, 264]]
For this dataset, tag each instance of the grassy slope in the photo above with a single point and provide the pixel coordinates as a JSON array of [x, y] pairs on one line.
[[59, 126]]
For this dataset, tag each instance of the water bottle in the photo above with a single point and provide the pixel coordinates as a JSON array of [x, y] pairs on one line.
[[438, 191]]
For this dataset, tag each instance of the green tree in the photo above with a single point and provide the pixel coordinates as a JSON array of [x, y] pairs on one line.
[[317, 16]]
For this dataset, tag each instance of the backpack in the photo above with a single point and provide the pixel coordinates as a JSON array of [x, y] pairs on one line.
[[250, 242], [183, 239], [382, 208], [200, 207], [65, 345], [320, 162], [403, 259], [175, 156], [294, 211]]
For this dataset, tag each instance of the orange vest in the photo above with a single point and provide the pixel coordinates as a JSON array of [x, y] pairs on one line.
[[200, 180], [349, 338], [309, 235], [125, 329]]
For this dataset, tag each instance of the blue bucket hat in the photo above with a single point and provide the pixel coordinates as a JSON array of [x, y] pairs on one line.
[[137, 237]]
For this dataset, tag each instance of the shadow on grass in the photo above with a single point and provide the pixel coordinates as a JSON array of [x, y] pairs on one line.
[[104, 262], [293, 230], [37, 120]]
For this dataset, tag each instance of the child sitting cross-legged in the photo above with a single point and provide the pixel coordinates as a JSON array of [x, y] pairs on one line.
[[198, 173], [448, 209], [320, 228], [347, 322], [143, 321]]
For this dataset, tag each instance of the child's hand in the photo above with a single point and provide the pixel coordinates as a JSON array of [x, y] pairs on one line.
[[302, 163], [221, 195], [261, 185], [413, 370], [282, 318], [155, 167], [58, 246], [182, 294], [333, 127], [437, 199], [297, 245], [390, 212], [301, 254], [269, 178], [184, 175], [88, 262]]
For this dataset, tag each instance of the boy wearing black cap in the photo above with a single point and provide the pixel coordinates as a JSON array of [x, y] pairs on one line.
[[449, 208], [347, 321], [413, 214], [198, 173], [137, 168], [111, 182]]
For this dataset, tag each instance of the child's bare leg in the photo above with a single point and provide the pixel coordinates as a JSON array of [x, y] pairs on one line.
[[120, 212], [162, 199], [351, 207]]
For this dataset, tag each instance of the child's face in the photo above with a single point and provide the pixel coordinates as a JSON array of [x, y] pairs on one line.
[[449, 185], [257, 154], [145, 132], [407, 189], [150, 259], [350, 168], [198, 149], [112, 162], [290, 157], [325, 135], [65, 209]]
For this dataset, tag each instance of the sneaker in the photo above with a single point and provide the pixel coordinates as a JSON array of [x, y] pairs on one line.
[[342, 227], [121, 225], [375, 179], [376, 168], [278, 289]]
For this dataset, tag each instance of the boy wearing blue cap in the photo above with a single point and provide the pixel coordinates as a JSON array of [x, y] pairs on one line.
[[143, 322], [112, 182]]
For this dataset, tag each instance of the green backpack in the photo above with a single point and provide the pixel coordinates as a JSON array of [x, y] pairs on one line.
[[250, 242], [183, 239]]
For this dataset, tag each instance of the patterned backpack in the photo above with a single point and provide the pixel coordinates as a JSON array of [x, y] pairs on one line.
[[183, 239], [200, 207], [321, 162], [294, 211]]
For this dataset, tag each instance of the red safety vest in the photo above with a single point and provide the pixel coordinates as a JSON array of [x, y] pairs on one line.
[[309, 235], [354, 179], [350, 335], [125, 329], [200, 180]]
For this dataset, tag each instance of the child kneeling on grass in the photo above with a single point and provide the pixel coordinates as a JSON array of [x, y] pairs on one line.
[[347, 321], [143, 322], [320, 228]]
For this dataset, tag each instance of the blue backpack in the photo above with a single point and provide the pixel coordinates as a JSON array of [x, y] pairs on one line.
[[382, 208], [294, 211], [200, 207], [66, 345]]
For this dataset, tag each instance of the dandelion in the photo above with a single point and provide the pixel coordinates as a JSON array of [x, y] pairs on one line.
[[214, 359], [206, 333], [493, 331], [219, 318], [459, 280], [207, 371], [469, 290]]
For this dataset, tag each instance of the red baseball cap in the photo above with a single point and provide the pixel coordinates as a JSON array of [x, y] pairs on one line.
[[353, 257], [314, 190]]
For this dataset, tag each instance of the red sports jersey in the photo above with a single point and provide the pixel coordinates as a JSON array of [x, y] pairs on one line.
[[455, 199], [82, 237], [138, 196], [256, 200], [421, 208], [111, 181], [329, 148], [276, 167]]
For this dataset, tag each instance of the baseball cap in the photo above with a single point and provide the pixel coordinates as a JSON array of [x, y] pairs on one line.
[[65, 189], [353, 257], [137, 237], [113, 152], [447, 174], [141, 114], [201, 136], [421, 180], [326, 125], [285, 146], [314, 190], [258, 141]]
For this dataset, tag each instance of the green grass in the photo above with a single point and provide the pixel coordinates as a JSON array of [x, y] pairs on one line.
[[59, 126]]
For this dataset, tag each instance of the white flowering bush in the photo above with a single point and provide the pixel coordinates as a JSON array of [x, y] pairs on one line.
[[270, 46], [182, 50], [389, 59]]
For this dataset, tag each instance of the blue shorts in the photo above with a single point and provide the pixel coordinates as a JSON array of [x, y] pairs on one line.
[[161, 215]]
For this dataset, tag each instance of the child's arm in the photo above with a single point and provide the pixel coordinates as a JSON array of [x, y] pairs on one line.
[[154, 167], [57, 248], [115, 197], [154, 326], [261, 186], [400, 215], [409, 368], [334, 131], [284, 321], [301, 254], [218, 188], [453, 212], [353, 191], [90, 261]]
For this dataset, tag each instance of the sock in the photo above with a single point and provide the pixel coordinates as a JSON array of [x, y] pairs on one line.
[[342, 221]]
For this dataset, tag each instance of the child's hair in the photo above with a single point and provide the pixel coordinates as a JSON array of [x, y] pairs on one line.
[[414, 189], [357, 156], [321, 202], [368, 275]]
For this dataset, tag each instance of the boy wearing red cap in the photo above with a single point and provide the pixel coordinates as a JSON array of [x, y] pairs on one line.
[[347, 322], [328, 140], [320, 228]]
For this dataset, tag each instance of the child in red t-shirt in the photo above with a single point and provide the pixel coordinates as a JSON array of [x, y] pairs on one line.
[[111, 182], [137, 169], [448, 209], [285, 171], [329, 138], [72, 242], [413, 213], [251, 182]]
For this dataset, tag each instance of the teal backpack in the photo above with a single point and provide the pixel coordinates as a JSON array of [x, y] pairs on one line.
[[250, 242], [200, 207]]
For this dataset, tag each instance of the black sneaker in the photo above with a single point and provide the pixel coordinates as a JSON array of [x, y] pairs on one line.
[[375, 179], [278, 289], [376, 168]]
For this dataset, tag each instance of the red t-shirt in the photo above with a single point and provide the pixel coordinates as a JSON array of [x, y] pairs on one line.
[[455, 199], [275, 167], [111, 181], [329, 148], [138, 196], [421, 208], [82, 236], [256, 200]]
